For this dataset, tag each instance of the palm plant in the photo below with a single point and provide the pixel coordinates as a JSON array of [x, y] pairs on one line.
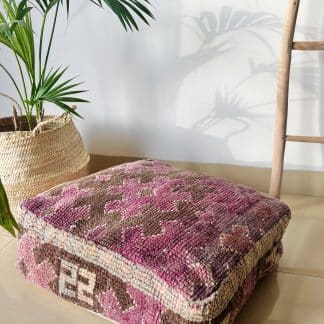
[[39, 84]]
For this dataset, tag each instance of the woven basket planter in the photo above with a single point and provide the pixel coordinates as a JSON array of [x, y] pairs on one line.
[[34, 161]]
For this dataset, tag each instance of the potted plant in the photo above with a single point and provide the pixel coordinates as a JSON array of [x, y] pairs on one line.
[[39, 151]]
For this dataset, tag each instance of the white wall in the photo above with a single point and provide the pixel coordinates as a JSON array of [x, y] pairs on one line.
[[199, 85]]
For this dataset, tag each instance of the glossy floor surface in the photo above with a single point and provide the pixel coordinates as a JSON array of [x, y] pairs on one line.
[[293, 295]]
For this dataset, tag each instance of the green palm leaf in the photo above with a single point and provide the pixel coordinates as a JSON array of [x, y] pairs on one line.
[[16, 32], [7, 221], [125, 10], [61, 93]]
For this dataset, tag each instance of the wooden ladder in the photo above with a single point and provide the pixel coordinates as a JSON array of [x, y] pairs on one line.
[[281, 137]]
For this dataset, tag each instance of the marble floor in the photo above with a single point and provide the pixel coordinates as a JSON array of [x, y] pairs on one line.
[[293, 295]]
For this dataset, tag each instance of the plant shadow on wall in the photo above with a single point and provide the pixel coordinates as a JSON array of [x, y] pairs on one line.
[[228, 26], [229, 103], [216, 33], [165, 76], [158, 74]]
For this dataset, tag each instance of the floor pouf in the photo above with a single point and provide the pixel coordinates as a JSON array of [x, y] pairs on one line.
[[144, 242]]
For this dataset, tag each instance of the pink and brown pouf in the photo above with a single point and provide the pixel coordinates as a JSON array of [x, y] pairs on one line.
[[146, 243]]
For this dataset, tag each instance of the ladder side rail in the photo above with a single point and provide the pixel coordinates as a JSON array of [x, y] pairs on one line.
[[282, 99]]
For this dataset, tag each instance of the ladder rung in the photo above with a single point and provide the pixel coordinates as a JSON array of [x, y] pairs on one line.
[[308, 46], [305, 139]]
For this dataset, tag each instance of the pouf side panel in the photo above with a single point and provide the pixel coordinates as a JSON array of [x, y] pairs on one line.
[[95, 289], [147, 282]]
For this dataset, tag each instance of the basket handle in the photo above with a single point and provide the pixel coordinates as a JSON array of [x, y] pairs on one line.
[[14, 111], [39, 126], [48, 121]]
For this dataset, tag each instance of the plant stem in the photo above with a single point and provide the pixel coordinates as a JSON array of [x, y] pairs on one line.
[[22, 78], [15, 84], [51, 38], [40, 50], [28, 115]]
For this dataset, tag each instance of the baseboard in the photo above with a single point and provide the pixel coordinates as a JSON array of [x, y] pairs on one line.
[[306, 183]]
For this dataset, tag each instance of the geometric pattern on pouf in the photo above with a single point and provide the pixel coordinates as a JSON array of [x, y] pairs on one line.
[[145, 242]]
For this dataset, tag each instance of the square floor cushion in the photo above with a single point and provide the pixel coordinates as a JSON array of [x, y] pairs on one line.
[[144, 242]]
